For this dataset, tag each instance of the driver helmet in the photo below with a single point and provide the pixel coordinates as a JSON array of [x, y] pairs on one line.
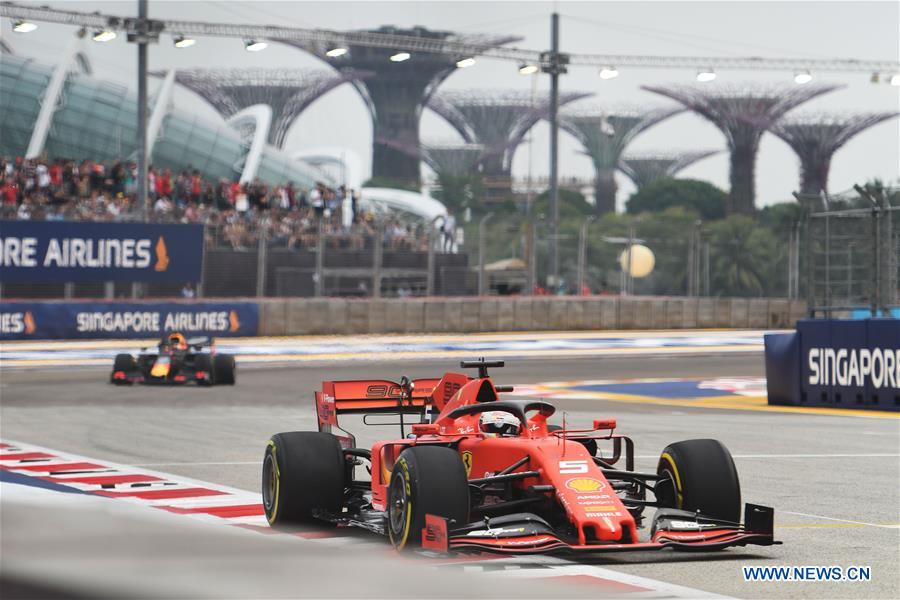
[[500, 423], [177, 340]]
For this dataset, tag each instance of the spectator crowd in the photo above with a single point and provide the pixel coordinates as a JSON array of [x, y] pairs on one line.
[[236, 214]]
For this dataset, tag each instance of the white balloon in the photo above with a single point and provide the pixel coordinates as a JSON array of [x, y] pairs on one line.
[[642, 261]]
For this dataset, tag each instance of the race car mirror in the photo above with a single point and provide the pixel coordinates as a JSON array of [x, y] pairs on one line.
[[425, 429], [604, 423]]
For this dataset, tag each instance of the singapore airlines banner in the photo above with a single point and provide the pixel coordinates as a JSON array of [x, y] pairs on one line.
[[60, 251], [122, 320], [835, 362]]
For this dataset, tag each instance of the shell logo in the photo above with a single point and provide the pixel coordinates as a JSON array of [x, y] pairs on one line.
[[585, 484]]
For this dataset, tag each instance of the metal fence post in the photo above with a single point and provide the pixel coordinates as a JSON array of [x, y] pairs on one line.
[[690, 265], [629, 280], [319, 275], [109, 290], [481, 243], [582, 253], [261, 254], [201, 285], [377, 260], [433, 239], [532, 257], [828, 263], [876, 241], [706, 269], [429, 277]]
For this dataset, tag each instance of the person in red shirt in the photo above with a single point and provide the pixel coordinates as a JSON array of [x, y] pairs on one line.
[[56, 174], [164, 184], [196, 187], [11, 192]]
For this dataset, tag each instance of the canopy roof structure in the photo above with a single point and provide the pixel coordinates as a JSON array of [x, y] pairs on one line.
[[288, 92], [605, 133], [453, 160], [816, 137], [499, 120], [403, 82], [646, 167], [743, 113]]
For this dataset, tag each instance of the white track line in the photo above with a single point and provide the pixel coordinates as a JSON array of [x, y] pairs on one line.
[[800, 514], [639, 456], [879, 455]]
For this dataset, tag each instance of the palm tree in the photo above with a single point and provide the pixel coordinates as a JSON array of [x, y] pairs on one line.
[[742, 257]]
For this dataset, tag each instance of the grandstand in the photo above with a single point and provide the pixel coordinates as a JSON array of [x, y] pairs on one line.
[[93, 119]]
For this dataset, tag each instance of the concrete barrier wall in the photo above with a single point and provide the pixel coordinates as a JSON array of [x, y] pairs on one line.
[[334, 316]]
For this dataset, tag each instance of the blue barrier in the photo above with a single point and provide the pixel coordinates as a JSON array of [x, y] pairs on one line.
[[63, 251], [831, 362], [125, 320], [782, 370]]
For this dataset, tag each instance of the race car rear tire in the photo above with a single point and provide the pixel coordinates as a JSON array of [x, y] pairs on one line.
[[225, 369], [425, 480], [204, 362], [122, 362], [700, 476], [303, 471]]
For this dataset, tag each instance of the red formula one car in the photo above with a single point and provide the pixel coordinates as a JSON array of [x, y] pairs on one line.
[[475, 472], [177, 360]]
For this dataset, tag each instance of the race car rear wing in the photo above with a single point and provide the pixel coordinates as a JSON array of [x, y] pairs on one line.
[[381, 396]]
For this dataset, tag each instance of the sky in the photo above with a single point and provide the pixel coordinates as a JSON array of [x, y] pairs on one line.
[[800, 29]]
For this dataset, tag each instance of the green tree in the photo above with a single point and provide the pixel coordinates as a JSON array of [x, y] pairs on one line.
[[572, 205], [743, 257], [459, 192], [781, 216], [704, 198]]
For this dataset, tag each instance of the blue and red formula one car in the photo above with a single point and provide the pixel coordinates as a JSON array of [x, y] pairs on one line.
[[177, 360], [473, 471]]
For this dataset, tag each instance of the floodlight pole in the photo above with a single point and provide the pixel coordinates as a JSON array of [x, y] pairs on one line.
[[554, 63], [142, 31], [142, 114]]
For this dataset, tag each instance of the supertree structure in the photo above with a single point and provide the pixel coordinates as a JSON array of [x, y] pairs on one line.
[[604, 134], [498, 120], [816, 137], [288, 92], [452, 160], [743, 114], [646, 167], [403, 83]]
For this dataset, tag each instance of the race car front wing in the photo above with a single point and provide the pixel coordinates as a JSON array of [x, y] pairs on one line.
[[525, 533]]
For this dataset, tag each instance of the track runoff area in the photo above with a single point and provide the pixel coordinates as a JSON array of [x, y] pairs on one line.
[[154, 492]]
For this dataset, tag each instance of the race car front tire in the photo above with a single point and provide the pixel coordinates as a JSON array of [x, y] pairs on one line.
[[204, 362], [699, 475], [122, 362], [303, 472], [425, 480], [225, 369]]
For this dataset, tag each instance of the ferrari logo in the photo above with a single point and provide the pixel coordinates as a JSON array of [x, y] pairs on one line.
[[467, 461]]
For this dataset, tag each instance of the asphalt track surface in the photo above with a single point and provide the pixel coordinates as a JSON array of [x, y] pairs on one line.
[[833, 480]]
